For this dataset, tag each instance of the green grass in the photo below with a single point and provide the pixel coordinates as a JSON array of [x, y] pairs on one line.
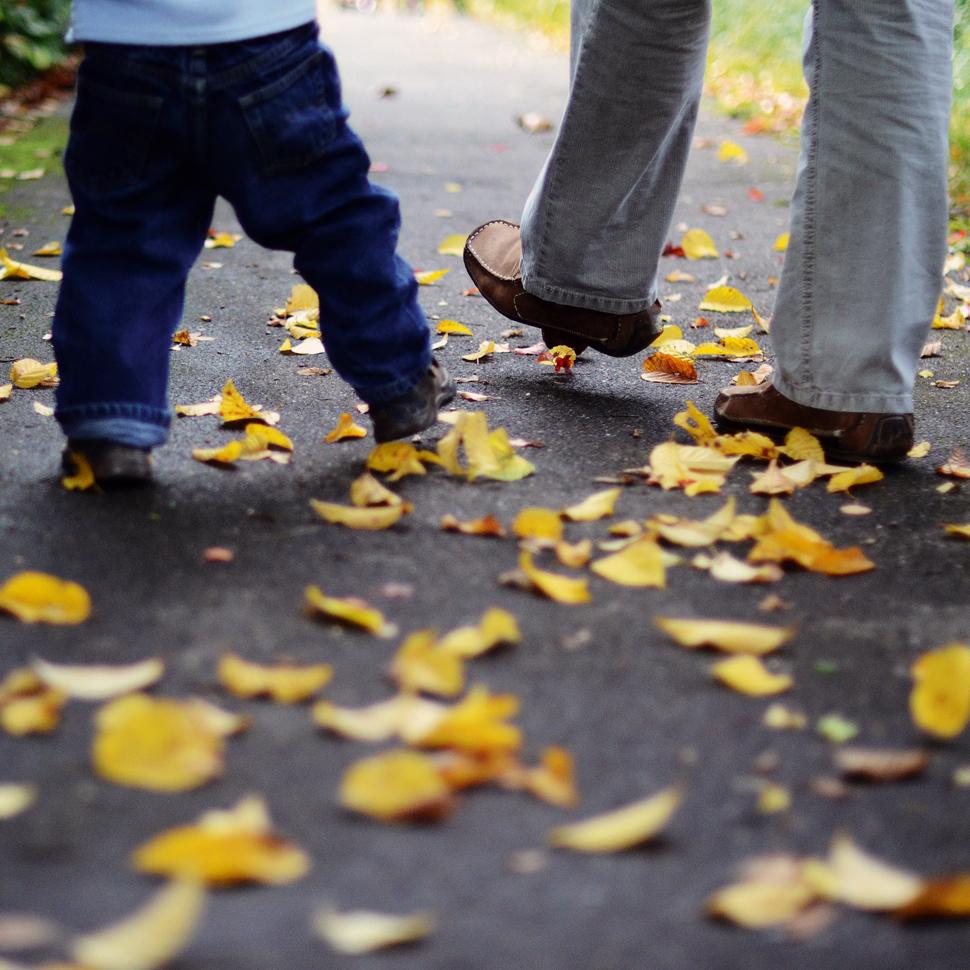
[[41, 147], [754, 68]]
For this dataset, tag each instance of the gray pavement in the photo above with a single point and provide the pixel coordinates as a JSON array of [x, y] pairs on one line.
[[631, 707]]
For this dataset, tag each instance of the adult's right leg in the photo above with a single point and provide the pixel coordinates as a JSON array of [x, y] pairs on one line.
[[139, 224], [599, 214]]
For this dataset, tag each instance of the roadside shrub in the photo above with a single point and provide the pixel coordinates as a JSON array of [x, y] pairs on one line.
[[31, 37]]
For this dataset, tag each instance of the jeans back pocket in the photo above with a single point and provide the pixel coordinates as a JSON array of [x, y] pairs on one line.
[[112, 136], [293, 120]]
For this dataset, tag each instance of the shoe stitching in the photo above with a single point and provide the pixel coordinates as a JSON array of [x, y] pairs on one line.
[[478, 258]]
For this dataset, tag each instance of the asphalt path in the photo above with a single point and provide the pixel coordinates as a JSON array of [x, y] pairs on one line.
[[636, 712]]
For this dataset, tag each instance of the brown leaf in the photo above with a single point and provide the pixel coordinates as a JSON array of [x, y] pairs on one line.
[[874, 764]]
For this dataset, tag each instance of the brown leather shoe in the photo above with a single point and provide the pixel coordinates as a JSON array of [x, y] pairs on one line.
[[493, 258], [848, 435]]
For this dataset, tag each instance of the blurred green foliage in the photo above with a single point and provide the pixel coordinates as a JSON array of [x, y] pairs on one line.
[[31, 37]]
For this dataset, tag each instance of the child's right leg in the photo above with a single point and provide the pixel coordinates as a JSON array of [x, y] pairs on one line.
[[141, 217]]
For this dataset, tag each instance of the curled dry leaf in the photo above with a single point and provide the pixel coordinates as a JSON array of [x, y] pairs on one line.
[[225, 848], [284, 683], [34, 597], [421, 664], [12, 270], [725, 299], [396, 786], [940, 896], [488, 454], [663, 367], [940, 699], [747, 674], [99, 682], [346, 428], [360, 931], [81, 478], [575, 555], [773, 892], [957, 466], [725, 568], [694, 468], [476, 724], [369, 518], [731, 348], [622, 828], [562, 589], [726, 635], [778, 717], [350, 611], [157, 744], [367, 491], [597, 506], [487, 525], [16, 799], [552, 780], [431, 276], [881, 764], [692, 533], [398, 459], [453, 327], [405, 715], [151, 937], [863, 475]]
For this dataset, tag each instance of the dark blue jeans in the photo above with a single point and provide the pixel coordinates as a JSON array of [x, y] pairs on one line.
[[157, 134]]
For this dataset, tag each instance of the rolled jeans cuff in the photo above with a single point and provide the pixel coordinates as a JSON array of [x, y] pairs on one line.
[[588, 301], [134, 425], [864, 403], [385, 393]]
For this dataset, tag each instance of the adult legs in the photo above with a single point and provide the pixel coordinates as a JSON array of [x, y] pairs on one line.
[[868, 223], [599, 214]]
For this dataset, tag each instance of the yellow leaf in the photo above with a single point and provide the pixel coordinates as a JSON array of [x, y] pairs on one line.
[[485, 349], [748, 444], [553, 780], [211, 406], [429, 277], [81, 479], [310, 346], [28, 373], [941, 896], [801, 445], [233, 406], [496, 626], [562, 589], [669, 334], [396, 786], [726, 635], [397, 458], [781, 718], [920, 450], [368, 491], [225, 848], [226, 455], [731, 151], [222, 240], [731, 348], [697, 244], [695, 468], [781, 243], [371, 519], [99, 682], [488, 454], [679, 276], [487, 525], [748, 675], [302, 297], [787, 539], [538, 523], [667, 368], [49, 249], [284, 683], [642, 563], [773, 798], [420, 664], [475, 724], [5, 391], [940, 699], [864, 882], [725, 299], [958, 530], [696, 424], [622, 828], [599, 505], [151, 937], [34, 597], [12, 270], [15, 799], [345, 428], [574, 556], [352, 611], [774, 893], [691, 533], [453, 327], [726, 569], [406, 715], [260, 437], [772, 481], [733, 333], [157, 745], [453, 245], [863, 475], [361, 931]]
